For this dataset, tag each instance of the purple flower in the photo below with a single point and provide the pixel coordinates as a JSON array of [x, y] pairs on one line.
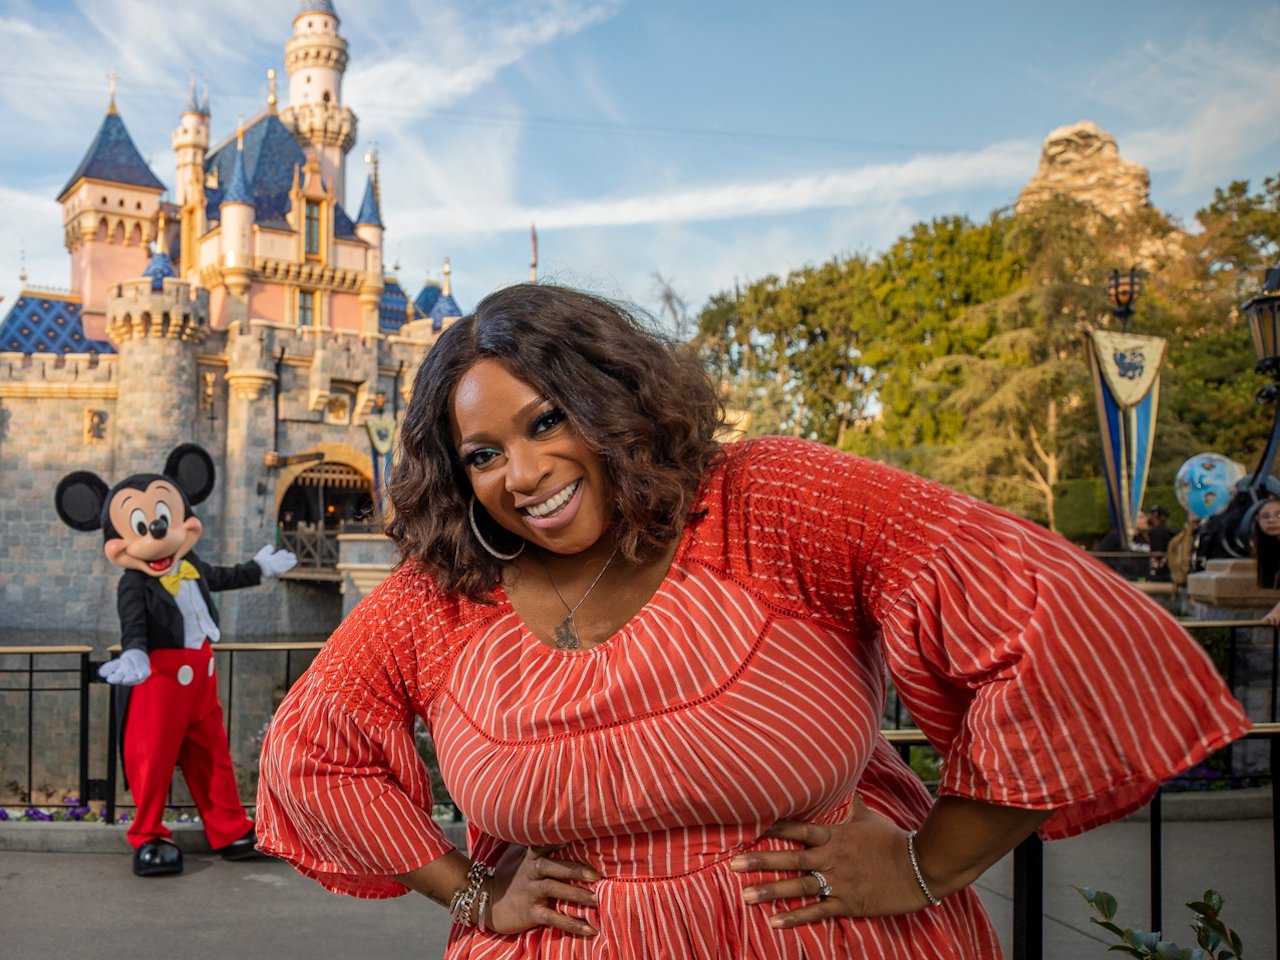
[[31, 813], [4, 814]]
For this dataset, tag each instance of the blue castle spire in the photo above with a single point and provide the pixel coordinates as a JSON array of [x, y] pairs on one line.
[[369, 212], [238, 188], [113, 157], [159, 268], [316, 6]]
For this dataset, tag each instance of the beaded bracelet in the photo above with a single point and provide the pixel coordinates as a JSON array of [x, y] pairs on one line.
[[463, 903], [915, 866]]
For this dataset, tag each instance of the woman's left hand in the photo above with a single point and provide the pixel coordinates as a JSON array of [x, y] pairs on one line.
[[864, 859]]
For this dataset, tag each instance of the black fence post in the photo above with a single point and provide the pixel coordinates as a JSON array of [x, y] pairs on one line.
[[1028, 899], [113, 747], [85, 677], [31, 727], [1157, 868], [1275, 835]]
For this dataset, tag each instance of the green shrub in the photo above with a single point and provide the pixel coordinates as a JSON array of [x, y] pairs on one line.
[[1217, 940]]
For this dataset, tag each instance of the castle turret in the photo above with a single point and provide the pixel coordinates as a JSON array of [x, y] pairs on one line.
[[237, 226], [109, 209], [445, 309], [315, 58], [369, 229], [369, 221], [155, 321], [190, 144]]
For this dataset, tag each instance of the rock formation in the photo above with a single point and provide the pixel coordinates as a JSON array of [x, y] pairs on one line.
[[1083, 162]]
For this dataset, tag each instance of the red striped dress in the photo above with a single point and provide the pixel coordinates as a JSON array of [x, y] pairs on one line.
[[749, 689]]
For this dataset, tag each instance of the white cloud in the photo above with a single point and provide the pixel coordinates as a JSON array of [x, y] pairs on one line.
[[1204, 108], [414, 80], [32, 237], [998, 165]]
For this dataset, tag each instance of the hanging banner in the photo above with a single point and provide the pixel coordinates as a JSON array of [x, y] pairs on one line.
[[1126, 382], [382, 431]]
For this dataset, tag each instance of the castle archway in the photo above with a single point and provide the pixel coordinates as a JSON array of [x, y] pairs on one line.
[[320, 501], [327, 494]]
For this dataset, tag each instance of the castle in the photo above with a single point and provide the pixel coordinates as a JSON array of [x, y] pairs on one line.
[[251, 313]]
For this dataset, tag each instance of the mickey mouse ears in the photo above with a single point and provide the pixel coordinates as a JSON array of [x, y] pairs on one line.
[[80, 496], [79, 500], [192, 467]]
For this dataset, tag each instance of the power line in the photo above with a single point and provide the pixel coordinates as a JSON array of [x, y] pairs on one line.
[[150, 90]]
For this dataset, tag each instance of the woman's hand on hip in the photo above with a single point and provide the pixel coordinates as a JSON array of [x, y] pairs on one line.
[[528, 884], [863, 860]]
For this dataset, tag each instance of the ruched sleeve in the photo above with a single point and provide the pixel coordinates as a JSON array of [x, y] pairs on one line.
[[1045, 679], [343, 794]]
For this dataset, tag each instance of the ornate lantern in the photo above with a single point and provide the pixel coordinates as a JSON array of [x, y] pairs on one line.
[[1123, 291]]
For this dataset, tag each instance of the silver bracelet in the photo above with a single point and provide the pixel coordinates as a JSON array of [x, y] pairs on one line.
[[915, 866], [462, 905]]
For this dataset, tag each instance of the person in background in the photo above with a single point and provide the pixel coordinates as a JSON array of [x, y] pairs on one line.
[[1267, 552], [653, 669], [1128, 567], [1158, 535]]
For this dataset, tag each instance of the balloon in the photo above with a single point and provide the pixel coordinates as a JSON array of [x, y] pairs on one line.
[[1205, 483]]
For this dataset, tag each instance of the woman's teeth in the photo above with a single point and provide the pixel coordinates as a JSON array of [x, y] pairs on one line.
[[547, 507]]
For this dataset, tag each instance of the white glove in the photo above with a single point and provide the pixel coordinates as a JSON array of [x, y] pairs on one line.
[[129, 670], [273, 562]]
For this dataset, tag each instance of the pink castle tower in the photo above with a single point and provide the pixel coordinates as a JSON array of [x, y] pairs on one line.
[[109, 213]]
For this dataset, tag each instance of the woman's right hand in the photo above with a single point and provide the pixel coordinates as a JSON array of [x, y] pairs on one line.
[[527, 885]]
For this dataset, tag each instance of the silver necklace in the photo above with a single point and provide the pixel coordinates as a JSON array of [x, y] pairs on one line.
[[567, 632]]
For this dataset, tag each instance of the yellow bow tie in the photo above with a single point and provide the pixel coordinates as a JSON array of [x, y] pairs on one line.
[[173, 581]]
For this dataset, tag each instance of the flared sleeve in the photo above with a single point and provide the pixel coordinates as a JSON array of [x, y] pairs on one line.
[[1044, 679], [1048, 681], [343, 794]]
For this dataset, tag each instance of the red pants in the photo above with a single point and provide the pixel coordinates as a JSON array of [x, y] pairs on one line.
[[175, 719]]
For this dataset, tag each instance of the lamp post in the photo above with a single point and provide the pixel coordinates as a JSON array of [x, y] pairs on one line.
[[1263, 313], [1123, 291]]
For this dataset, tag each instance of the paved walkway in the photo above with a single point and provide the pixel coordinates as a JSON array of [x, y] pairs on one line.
[[88, 906]]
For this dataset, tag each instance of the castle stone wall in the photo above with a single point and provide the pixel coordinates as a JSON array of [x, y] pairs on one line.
[[55, 417]]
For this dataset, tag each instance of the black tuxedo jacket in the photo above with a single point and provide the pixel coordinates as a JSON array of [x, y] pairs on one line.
[[149, 615]]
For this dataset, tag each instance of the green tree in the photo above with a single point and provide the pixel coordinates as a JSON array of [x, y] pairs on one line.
[[958, 353]]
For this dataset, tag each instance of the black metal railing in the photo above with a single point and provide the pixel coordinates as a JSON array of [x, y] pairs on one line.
[[69, 661], [316, 547], [227, 683], [1028, 860]]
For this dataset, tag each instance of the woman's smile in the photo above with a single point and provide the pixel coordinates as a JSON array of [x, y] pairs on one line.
[[553, 507]]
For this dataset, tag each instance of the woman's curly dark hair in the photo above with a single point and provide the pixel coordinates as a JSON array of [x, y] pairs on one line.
[[638, 399]]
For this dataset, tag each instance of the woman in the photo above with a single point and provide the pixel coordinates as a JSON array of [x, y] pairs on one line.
[[653, 670], [1267, 551]]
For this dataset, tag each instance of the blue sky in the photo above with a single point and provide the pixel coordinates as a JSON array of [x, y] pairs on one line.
[[706, 142]]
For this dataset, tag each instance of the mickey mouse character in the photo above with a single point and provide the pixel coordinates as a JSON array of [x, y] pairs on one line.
[[171, 715]]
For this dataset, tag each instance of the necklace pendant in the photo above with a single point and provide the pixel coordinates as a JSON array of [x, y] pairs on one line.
[[567, 635]]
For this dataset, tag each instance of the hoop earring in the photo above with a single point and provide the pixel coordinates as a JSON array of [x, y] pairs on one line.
[[475, 528]]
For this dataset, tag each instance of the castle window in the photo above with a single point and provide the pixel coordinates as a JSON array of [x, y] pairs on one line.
[[312, 238], [306, 308]]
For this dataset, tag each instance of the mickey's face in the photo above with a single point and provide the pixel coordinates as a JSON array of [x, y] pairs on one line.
[[154, 530]]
